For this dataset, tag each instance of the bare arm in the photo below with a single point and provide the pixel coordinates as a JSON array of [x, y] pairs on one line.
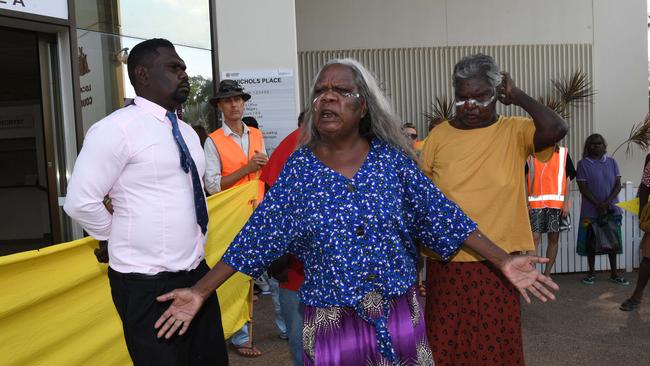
[[228, 181], [615, 190], [187, 301], [254, 164], [567, 199], [602, 207], [516, 268], [586, 193], [549, 126], [478, 242]]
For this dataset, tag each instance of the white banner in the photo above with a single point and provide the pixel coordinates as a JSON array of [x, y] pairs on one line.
[[273, 101], [49, 8]]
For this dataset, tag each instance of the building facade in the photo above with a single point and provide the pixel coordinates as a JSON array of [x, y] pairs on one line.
[[65, 69]]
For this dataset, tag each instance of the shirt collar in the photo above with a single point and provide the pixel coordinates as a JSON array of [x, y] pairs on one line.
[[156, 110], [227, 131], [602, 160]]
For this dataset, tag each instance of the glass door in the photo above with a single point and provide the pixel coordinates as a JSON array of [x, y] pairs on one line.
[[29, 210]]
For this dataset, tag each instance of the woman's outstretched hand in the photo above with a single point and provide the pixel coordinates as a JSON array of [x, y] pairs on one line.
[[519, 270], [180, 313]]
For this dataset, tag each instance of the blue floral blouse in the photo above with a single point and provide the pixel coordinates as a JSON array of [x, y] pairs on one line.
[[353, 236]]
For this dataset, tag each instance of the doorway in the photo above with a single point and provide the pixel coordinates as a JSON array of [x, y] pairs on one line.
[[29, 210]]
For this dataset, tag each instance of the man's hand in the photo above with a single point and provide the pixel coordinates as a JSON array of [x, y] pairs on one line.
[[101, 252], [507, 92], [257, 162], [108, 203], [180, 313], [519, 270]]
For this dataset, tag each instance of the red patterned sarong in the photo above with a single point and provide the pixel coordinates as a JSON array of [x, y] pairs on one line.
[[472, 315]]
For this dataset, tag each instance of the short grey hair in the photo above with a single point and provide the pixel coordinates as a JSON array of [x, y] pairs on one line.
[[380, 121], [478, 66]]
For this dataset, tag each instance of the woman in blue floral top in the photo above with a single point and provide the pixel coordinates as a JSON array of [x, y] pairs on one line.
[[349, 203]]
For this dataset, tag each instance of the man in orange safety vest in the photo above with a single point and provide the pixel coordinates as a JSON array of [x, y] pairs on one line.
[[234, 154]]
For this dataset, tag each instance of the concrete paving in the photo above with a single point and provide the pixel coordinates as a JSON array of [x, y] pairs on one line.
[[583, 327]]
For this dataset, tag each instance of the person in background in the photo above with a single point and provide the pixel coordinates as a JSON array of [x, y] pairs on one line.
[[250, 122], [348, 204], [287, 269], [476, 159], [201, 132], [433, 122], [409, 130], [234, 154], [156, 218], [549, 198], [599, 181], [644, 267], [419, 145]]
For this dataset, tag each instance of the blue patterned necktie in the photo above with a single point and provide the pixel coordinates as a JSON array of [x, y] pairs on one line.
[[187, 163]]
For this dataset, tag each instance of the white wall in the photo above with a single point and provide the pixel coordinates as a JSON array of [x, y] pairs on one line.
[[257, 34], [472, 22], [620, 76], [616, 29], [343, 24]]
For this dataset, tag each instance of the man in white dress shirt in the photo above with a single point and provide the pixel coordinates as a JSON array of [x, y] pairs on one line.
[[151, 165]]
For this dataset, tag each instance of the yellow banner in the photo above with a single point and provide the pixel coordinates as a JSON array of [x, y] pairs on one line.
[[56, 306], [632, 206]]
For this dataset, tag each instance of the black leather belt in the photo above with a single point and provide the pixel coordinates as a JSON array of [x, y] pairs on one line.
[[147, 277]]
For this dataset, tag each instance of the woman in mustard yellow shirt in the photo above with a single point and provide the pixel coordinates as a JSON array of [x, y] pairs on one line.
[[476, 159]]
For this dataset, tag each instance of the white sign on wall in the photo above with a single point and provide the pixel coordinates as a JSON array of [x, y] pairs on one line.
[[91, 56], [273, 101], [48, 8]]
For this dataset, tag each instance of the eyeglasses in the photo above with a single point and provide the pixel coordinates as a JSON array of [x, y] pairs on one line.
[[338, 92], [474, 102], [412, 136]]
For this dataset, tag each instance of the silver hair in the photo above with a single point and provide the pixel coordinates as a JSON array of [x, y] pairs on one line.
[[380, 121], [478, 66]]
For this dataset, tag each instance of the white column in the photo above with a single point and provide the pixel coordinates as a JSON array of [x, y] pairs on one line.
[[620, 55], [257, 34]]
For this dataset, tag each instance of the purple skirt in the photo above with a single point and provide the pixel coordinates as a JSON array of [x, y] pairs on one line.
[[338, 336]]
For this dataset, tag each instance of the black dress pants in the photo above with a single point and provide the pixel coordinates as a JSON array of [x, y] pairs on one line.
[[134, 296]]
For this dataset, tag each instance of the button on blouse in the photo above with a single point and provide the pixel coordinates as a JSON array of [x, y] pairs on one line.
[[355, 235]]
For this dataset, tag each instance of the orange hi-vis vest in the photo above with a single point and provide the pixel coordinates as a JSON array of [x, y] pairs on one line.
[[233, 158], [547, 181]]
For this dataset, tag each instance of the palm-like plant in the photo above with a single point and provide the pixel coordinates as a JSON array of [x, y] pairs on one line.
[[574, 90], [639, 135], [443, 110], [557, 105]]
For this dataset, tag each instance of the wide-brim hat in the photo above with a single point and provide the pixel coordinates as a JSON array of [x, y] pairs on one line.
[[229, 88]]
